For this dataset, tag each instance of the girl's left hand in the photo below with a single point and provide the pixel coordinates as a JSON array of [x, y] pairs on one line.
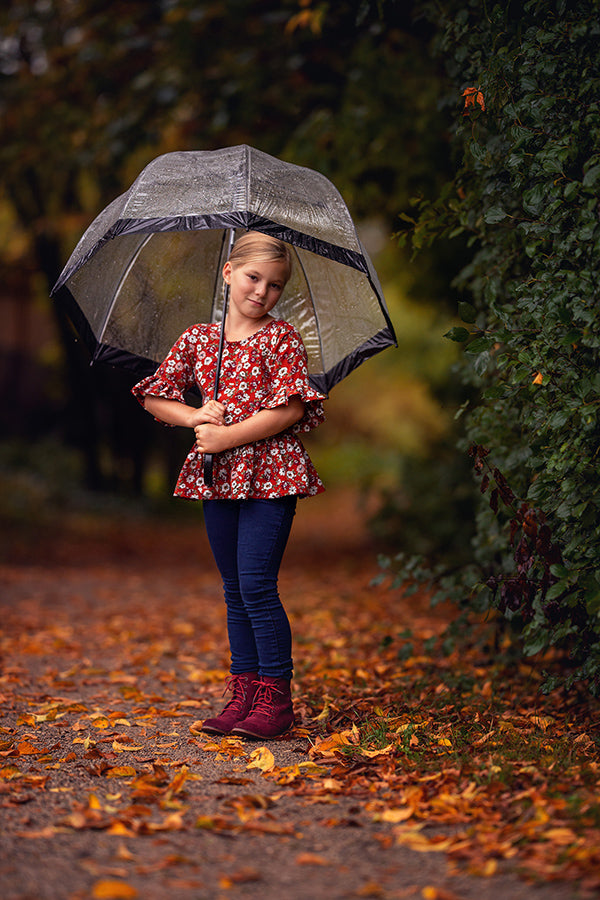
[[211, 438]]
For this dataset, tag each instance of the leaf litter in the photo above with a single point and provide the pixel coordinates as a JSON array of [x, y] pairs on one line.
[[429, 773]]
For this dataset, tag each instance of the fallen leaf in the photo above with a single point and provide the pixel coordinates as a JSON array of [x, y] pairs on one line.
[[395, 815], [111, 889], [100, 722], [244, 875], [436, 893], [312, 859], [261, 758], [120, 772]]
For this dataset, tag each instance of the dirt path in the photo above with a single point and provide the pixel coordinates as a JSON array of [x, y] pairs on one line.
[[113, 647]]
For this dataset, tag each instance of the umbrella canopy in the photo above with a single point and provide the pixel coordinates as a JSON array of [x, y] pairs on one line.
[[149, 265]]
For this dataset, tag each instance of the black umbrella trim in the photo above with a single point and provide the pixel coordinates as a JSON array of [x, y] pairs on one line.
[[244, 220], [142, 366], [322, 382], [380, 341]]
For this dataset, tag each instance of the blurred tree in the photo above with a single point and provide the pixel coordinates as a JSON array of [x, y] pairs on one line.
[[91, 92]]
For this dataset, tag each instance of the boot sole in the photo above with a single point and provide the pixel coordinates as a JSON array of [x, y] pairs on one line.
[[261, 737], [210, 730]]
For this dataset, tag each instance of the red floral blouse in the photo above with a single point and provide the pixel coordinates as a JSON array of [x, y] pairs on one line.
[[262, 371]]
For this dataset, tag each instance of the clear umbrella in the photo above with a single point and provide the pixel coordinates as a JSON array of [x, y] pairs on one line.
[[150, 264]]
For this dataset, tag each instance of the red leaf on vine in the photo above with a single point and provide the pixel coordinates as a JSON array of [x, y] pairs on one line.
[[473, 97]]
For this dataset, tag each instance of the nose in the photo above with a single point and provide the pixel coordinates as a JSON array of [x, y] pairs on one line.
[[261, 289]]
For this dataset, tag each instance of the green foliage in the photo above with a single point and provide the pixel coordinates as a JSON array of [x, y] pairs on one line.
[[525, 194], [91, 92]]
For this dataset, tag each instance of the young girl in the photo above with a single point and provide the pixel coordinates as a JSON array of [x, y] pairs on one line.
[[260, 469]]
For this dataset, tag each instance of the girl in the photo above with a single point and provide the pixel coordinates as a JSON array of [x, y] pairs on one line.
[[260, 469]]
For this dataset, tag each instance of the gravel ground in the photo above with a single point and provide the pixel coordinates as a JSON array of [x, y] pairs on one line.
[[109, 790]]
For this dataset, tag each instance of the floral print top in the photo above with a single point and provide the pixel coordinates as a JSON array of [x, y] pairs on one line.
[[262, 371]]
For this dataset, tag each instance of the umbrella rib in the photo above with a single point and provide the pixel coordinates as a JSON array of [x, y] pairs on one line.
[[122, 280], [248, 175], [314, 309]]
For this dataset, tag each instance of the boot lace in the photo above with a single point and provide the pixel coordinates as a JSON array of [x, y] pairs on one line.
[[239, 688], [264, 701]]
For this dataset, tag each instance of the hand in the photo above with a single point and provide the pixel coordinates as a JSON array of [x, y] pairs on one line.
[[212, 438], [212, 413]]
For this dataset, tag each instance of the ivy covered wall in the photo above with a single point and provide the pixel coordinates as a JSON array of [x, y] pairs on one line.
[[526, 90]]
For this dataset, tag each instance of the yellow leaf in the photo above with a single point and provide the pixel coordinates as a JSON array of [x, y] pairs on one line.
[[396, 815], [179, 781], [371, 754], [124, 748], [560, 835], [444, 742], [333, 742], [28, 719], [111, 889], [262, 759], [118, 828], [93, 802], [120, 772], [124, 853], [539, 379], [422, 844], [324, 714], [100, 722], [311, 769], [434, 893], [542, 722]]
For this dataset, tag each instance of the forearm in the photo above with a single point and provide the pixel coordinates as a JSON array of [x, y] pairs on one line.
[[171, 412], [265, 423]]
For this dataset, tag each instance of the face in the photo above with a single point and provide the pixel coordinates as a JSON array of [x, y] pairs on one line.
[[255, 287]]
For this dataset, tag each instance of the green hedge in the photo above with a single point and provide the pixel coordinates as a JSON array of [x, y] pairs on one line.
[[526, 100]]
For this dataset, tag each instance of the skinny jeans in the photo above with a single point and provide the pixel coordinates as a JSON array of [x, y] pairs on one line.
[[248, 539]]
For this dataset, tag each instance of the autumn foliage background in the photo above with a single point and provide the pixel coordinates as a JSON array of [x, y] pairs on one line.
[[464, 138]]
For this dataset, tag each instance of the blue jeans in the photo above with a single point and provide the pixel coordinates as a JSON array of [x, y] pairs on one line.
[[248, 539]]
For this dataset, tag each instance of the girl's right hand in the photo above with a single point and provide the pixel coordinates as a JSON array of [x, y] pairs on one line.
[[212, 413]]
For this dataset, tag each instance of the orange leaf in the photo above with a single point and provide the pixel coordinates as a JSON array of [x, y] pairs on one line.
[[473, 96], [119, 828], [120, 772], [27, 749], [333, 742], [435, 893], [311, 859], [111, 889], [100, 722]]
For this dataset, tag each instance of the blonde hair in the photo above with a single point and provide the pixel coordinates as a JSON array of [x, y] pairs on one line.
[[254, 246]]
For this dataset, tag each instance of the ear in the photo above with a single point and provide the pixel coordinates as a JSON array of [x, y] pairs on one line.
[[227, 269]]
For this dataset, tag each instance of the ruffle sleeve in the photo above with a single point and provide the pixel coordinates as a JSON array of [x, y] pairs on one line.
[[174, 376], [289, 378]]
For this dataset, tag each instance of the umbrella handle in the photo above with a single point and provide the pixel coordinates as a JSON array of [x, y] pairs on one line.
[[208, 469]]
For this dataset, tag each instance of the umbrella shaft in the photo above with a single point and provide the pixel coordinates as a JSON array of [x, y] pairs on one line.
[[208, 457]]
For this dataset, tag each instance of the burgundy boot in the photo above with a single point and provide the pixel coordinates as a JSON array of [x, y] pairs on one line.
[[272, 713], [243, 687]]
